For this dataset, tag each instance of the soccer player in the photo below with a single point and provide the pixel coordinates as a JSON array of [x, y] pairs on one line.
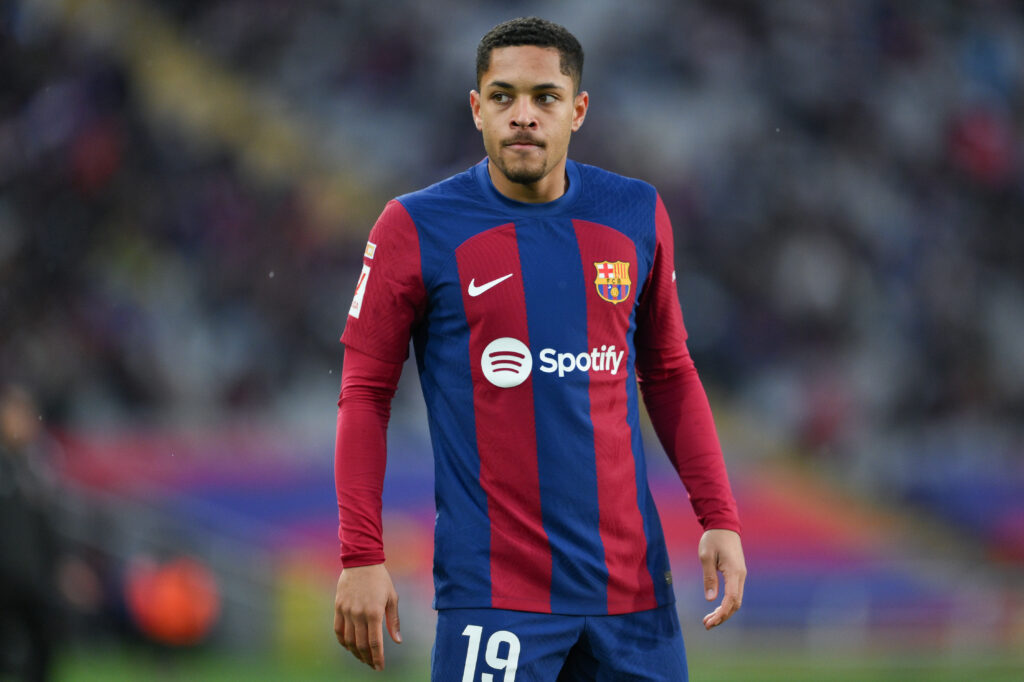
[[538, 292]]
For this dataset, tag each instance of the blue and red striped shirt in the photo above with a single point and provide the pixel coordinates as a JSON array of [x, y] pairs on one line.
[[531, 324]]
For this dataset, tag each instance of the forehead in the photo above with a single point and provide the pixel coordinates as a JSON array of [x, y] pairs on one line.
[[525, 65]]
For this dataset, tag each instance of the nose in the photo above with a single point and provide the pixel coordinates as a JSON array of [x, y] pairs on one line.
[[524, 116]]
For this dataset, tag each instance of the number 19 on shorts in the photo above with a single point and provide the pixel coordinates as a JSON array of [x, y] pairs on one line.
[[496, 656]]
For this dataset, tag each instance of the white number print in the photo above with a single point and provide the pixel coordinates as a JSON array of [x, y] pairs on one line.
[[509, 662]]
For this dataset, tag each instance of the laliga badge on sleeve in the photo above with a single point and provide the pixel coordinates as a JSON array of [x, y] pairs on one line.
[[357, 300]]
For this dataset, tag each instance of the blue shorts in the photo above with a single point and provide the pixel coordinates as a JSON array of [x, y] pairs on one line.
[[494, 645]]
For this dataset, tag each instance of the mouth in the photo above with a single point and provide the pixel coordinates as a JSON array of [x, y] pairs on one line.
[[523, 143]]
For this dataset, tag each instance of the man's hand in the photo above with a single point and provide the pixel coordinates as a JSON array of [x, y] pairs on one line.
[[721, 550], [365, 599]]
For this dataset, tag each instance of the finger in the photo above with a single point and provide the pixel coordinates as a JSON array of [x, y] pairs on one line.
[[741, 581], [375, 642], [352, 629], [362, 644], [715, 618], [339, 628], [728, 607], [733, 590], [350, 637], [721, 613], [707, 564], [391, 617]]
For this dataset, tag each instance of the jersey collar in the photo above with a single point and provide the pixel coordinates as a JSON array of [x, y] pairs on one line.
[[559, 205]]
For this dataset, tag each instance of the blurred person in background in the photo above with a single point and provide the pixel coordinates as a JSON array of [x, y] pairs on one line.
[[29, 546], [549, 555]]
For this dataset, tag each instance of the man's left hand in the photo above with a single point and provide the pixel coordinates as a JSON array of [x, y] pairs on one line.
[[720, 551]]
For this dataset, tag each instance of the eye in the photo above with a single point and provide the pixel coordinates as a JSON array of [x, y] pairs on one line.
[[547, 98], [501, 98]]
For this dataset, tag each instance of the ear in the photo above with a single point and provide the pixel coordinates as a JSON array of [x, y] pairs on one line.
[[474, 106], [579, 109]]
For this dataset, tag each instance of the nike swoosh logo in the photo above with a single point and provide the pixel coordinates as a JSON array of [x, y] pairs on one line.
[[475, 290]]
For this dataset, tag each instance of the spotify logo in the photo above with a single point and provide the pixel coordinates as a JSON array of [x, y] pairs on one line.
[[506, 362]]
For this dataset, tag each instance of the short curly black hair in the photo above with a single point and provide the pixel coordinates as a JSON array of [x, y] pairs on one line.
[[532, 31]]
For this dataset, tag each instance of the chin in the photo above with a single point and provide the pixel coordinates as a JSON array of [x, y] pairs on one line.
[[525, 178], [524, 175]]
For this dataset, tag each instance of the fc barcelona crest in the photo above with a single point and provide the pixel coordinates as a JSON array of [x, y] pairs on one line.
[[613, 281]]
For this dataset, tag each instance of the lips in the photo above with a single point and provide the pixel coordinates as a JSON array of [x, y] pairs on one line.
[[523, 142]]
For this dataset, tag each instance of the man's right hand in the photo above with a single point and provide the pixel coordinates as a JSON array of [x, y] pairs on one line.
[[366, 599]]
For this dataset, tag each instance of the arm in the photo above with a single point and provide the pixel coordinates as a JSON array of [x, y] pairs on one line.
[[365, 595], [389, 302], [681, 416], [360, 454], [679, 411]]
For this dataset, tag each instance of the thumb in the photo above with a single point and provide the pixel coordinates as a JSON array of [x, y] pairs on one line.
[[710, 578], [391, 618]]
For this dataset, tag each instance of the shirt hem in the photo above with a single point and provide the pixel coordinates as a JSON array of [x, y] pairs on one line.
[[616, 609]]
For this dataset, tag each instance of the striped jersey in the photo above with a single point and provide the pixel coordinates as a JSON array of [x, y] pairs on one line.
[[528, 322]]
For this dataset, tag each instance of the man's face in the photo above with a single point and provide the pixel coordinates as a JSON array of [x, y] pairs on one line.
[[527, 109]]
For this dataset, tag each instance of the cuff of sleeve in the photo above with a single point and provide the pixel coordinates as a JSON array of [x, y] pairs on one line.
[[723, 524], [361, 559]]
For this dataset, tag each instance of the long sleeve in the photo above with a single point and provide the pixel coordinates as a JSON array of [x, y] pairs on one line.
[[360, 454], [681, 416], [673, 393], [389, 302]]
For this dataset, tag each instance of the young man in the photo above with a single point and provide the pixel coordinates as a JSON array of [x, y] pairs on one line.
[[538, 293]]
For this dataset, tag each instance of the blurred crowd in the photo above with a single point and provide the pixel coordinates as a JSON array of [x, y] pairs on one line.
[[846, 182]]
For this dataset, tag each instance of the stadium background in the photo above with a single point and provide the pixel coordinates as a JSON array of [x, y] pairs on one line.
[[185, 190]]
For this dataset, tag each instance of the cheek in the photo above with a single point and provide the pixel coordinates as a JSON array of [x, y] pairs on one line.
[[491, 140], [487, 126], [564, 133]]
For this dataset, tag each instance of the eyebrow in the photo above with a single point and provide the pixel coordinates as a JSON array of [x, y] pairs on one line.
[[542, 86]]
